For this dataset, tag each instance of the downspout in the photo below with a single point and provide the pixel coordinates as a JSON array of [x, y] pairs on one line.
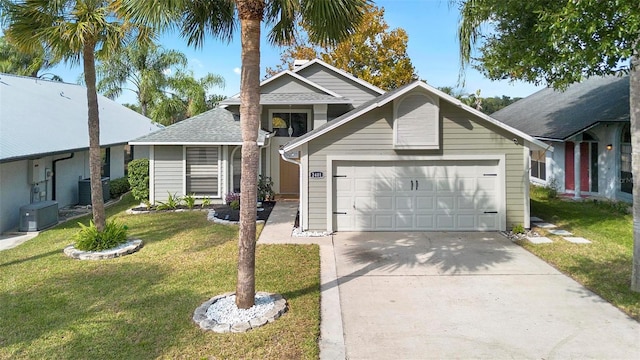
[[53, 177], [281, 151]]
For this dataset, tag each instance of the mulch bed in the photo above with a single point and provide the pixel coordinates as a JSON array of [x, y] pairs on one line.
[[223, 212]]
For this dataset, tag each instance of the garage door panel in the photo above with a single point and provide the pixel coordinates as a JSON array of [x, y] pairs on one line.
[[486, 183], [364, 221], [425, 185], [383, 222], [445, 202], [444, 222], [487, 222], [424, 221], [404, 221], [417, 195], [425, 203], [466, 221], [445, 185], [404, 202], [364, 203], [384, 203]]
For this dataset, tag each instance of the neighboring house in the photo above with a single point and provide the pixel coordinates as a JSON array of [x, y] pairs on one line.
[[588, 126], [358, 158], [44, 142]]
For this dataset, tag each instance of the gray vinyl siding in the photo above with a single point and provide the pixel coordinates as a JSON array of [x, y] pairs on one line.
[[168, 172], [461, 134], [338, 84], [288, 85], [336, 110]]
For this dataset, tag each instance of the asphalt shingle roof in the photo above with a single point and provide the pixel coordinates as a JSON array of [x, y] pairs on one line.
[[40, 117], [216, 126], [552, 114], [292, 99]]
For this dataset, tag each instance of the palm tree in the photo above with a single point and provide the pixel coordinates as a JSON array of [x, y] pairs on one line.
[[184, 97], [327, 22], [144, 66], [74, 30], [14, 61]]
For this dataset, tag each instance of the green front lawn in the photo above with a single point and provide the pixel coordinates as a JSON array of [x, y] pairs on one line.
[[140, 306], [604, 266]]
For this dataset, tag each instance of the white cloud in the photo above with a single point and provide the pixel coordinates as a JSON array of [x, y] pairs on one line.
[[237, 70], [196, 63]]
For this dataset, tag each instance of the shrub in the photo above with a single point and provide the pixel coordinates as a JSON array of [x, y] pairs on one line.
[[190, 200], [139, 178], [118, 187], [265, 188], [230, 197], [235, 204], [172, 203], [205, 202], [90, 239], [518, 229]]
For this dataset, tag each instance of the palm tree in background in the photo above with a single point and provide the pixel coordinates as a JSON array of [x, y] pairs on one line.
[[165, 91], [75, 31], [144, 67], [14, 61]]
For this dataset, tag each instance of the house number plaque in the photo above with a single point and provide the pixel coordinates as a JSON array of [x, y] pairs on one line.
[[316, 175]]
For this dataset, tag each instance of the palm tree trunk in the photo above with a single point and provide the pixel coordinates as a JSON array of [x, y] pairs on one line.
[[95, 160], [250, 14], [634, 106]]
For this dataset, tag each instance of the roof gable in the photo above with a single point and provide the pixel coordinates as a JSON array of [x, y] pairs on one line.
[[340, 72], [292, 89], [214, 127], [553, 114], [40, 117], [392, 95]]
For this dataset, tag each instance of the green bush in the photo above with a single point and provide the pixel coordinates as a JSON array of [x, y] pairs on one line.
[[235, 205], [139, 178], [190, 200], [265, 188], [119, 186], [90, 239], [518, 229], [172, 203]]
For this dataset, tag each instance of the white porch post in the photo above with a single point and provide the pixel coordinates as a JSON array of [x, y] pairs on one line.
[[576, 169]]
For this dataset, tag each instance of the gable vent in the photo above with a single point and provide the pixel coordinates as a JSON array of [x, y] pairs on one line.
[[416, 125]]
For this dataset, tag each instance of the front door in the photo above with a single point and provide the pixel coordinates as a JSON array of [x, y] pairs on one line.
[[588, 166], [289, 178]]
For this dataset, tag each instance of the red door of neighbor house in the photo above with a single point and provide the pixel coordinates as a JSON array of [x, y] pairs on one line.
[[569, 182]]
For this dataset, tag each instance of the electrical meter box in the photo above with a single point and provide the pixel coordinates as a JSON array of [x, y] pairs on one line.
[[37, 171]]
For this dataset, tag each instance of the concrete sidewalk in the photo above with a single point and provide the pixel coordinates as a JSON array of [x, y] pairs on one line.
[[278, 230], [12, 240]]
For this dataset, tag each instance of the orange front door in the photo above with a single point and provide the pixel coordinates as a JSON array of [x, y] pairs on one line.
[[289, 178]]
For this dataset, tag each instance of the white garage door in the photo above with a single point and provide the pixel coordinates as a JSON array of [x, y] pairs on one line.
[[416, 195]]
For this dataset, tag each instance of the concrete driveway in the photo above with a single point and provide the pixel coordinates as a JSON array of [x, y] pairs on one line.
[[468, 295]]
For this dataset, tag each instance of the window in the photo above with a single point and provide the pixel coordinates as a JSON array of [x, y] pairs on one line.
[[202, 171], [289, 124], [416, 124], [626, 177], [106, 162], [538, 164]]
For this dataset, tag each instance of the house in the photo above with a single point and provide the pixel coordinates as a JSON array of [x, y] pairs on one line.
[[358, 158], [588, 126], [44, 142]]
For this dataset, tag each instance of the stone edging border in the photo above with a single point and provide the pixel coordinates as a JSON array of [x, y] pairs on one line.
[[127, 248], [200, 317]]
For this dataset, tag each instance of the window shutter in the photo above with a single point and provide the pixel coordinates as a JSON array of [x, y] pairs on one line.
[[417, 123], [202, 170]]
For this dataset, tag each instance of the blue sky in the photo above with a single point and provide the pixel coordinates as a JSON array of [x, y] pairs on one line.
[[433, 49]]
